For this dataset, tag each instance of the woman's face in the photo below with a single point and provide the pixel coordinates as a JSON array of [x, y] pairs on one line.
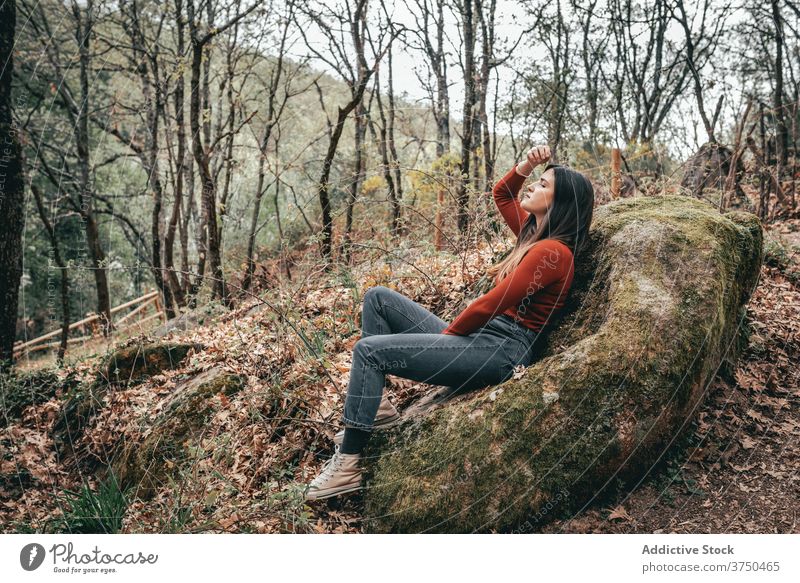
[[537, 198]]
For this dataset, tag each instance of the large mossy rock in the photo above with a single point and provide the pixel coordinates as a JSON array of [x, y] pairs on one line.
[[655, 310], [168, 444]]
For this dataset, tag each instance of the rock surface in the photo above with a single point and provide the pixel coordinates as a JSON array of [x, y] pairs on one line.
[[125, 365], [172, 438], [655, 312], [132, 363]]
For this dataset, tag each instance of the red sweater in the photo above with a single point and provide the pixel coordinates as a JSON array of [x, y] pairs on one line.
[[536, 288]]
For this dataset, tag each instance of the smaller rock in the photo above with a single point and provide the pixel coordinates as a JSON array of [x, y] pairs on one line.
[[133, 363], [149, 464]]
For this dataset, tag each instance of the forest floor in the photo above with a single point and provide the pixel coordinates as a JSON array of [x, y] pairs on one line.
[[739, 475]]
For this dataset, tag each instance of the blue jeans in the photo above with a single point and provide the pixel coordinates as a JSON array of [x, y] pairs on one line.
[[402, 338]]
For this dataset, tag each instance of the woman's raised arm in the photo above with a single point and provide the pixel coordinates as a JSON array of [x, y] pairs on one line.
[[505, 192], [505, 197]]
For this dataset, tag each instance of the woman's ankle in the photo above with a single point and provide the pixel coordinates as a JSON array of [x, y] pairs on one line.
[[354, 440]]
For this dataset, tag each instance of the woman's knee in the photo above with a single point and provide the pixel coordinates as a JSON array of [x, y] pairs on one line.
[[375, 291], [377, 353], [363, 347], [372, 298]]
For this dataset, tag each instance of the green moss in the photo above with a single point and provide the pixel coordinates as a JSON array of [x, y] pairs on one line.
[[149, 465], [133, 363], [654, 305]]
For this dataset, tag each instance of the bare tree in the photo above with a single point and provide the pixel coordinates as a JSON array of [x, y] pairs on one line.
[[275, 107], [343, 27], [494, 54], [145, 60], [699, 47], [782, 132], [465, 11], [182, 175], [208, 241], [594, 41], [77, 107], [386, 144], [428, 37]]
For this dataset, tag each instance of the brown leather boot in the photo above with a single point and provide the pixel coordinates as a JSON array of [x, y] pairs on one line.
[[340, 474], [385, 416]]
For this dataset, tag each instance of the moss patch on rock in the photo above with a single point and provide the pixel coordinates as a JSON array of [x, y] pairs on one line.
[[138, 361], [149, 464], [655, 310]]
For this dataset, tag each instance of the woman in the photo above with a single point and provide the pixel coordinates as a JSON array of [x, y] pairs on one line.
[[488, 339]]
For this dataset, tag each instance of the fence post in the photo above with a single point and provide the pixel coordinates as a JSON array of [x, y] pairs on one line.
[[157, 304], [616, 160], [437, 235]]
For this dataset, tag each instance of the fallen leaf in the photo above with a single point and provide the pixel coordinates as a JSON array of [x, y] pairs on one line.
[[619, 513], [747, 442]]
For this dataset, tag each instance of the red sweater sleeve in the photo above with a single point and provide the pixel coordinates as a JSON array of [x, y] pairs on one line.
[[505, 197], [546, 262]]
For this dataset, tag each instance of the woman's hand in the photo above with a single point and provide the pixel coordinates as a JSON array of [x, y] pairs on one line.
[[538, 155], [535, 156]]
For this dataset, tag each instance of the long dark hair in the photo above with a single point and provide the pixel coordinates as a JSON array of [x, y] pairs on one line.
[[567, 220]]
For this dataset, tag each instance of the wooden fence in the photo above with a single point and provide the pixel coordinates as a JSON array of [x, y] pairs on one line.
[[90, 326]]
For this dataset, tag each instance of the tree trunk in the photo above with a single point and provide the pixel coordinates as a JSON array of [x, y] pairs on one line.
[[83, 27], [229, 140], [358, 176], [188, 212], [175, 285], [397, 183], [781, 131], [154, 103], [468, 115], [487, 52], [209, 249], [12, 193], [383, 146], [251, 236], [323, 187], [443, 95], [208, 237], [271, 116]]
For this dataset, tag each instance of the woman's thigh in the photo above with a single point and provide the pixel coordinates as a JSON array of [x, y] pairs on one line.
[[470, 361], [386, 311]]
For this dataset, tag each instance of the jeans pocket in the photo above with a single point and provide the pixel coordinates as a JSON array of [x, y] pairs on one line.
[[513, 351]]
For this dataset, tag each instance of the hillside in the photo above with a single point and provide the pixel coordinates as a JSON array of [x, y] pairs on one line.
[[288, 350]]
